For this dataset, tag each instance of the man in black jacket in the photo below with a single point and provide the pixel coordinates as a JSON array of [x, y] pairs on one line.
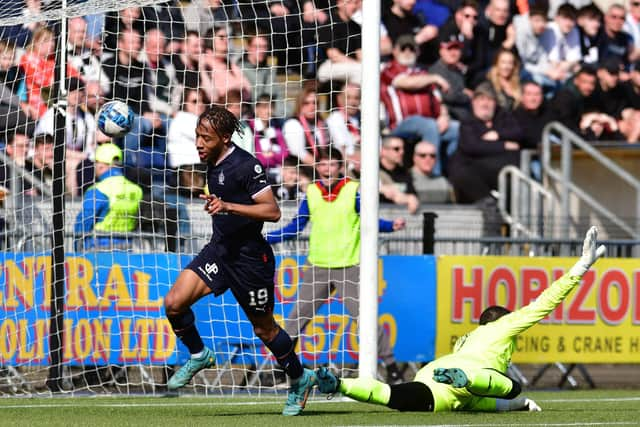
[[488, 141], [463, 26], [531, 114], [568, 105]]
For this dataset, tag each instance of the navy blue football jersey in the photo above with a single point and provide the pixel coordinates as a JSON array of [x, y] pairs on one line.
[[237, 179]]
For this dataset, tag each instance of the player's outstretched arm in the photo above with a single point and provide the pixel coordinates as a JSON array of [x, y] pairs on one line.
[[590, 253]]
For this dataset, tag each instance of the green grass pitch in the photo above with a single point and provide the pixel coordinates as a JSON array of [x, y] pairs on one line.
[[561, 408]]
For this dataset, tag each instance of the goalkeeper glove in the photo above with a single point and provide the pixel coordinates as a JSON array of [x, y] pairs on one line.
[[590, 253], [520, 403], [531, 406]]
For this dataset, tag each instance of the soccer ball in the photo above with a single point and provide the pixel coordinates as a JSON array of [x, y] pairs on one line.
[[115, 119]]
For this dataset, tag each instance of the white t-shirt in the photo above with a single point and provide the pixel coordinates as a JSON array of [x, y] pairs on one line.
[[341, 138], [181, 140], [80, 132]]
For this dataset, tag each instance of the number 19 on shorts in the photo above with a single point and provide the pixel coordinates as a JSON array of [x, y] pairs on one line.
[[258, 298]]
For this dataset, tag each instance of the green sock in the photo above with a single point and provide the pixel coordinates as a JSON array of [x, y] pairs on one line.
[[365, 390], [487, 382]]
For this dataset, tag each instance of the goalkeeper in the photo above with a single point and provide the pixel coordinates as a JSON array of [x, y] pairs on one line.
[[472, 378]]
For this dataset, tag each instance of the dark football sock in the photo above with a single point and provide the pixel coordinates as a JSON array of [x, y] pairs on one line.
[[184, 327], [283, 348]]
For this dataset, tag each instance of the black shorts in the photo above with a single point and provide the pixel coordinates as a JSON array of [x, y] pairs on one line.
[[248, 272]]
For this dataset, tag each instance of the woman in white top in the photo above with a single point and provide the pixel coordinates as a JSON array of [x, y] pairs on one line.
[[181, 140], [306, 131]]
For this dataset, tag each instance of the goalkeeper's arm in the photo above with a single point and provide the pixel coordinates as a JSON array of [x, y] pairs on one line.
[[521, 320], [492, 404]]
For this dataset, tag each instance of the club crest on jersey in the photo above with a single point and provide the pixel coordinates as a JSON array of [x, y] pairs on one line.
[[257, 168], [221, 178]]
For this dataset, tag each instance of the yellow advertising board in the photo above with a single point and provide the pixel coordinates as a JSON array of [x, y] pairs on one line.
[[599, 322]]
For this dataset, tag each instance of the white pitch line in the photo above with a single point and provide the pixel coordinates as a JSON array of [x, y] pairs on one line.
[[612, 423], [587, 399], [61, 403], [151, 405]]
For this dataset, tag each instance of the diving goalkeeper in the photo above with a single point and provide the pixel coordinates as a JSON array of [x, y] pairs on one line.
[[472, 378]]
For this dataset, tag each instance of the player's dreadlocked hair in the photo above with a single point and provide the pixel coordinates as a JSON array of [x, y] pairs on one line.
[[221, 120], [492, 313]]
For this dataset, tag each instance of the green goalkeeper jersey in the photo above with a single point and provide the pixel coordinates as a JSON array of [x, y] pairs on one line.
[[490, 346]]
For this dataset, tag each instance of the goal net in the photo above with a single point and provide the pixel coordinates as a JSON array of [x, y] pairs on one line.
[[266, 62]]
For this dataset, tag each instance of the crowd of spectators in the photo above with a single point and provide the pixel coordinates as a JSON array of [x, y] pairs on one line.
[[465, 85]]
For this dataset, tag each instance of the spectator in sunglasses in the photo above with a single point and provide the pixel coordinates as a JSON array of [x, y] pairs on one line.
[[429, 188], [396, 184]]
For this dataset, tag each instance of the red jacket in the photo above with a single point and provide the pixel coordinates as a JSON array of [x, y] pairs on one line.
[[401, 104]]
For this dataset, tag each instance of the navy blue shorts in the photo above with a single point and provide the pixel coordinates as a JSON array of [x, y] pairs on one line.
[[248, 273]]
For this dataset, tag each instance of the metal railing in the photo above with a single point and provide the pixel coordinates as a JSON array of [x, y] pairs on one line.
[[17, 172], [555, 133], [527, 203]]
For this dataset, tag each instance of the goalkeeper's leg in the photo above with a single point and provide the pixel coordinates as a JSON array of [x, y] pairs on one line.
[[412, 396], [481, 382]]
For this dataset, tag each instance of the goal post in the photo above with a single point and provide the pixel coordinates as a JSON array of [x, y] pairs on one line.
[[82, 309], [369, 190]]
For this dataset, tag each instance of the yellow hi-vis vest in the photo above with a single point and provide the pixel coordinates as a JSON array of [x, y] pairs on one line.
[[124, 201], [334, 240]]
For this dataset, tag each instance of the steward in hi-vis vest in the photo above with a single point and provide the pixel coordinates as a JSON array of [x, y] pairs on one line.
[[111, 205], [332, 205]]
